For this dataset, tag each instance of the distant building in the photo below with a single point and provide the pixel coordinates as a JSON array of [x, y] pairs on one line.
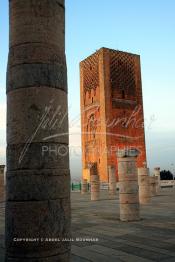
[[111, 108]]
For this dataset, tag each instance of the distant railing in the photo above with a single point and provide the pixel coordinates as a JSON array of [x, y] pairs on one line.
[[76, 187]]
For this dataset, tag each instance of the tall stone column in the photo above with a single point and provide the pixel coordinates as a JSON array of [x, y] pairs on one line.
[[128, 185], [144, 186], [112, 180], [152, 184], [95, 182], [84, 186], [38, 180], [157, 178]]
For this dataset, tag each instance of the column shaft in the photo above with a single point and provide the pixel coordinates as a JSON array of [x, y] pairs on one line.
[[152, 182], [128, 185], [157, 175], [38, 179], [95, 183], [144, 186], [84, 186], [112, 180]]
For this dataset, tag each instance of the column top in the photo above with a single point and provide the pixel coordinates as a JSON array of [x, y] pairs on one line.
[[132, 152], [157, 168]]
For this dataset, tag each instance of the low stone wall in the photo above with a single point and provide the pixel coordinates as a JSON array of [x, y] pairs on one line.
[[167, 183]]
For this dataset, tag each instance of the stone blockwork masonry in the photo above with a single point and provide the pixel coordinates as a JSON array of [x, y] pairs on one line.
[[111, 109]]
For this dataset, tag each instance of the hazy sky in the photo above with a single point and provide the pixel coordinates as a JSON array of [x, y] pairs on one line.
[[144, 27]]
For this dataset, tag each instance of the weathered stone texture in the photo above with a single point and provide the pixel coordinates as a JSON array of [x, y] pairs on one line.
[[46, 184], [95, 182], [37, 22], [128, 189], [38, 177], [111, 108], [152, 185], [33, 156], [157, 175], [144, 186], [44, 119], [35, 53], [29, 75], [38, 219], [84, 186], [112, 180]]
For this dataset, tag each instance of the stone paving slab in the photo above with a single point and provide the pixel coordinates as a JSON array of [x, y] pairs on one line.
[[93, 255], [150, 239], [122, 256], [75, 258]]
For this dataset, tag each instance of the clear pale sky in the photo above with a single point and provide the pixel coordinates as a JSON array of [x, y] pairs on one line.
[[144, 27]]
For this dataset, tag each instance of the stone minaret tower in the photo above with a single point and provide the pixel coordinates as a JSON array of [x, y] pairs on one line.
[[111, 109], [38, 198]]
